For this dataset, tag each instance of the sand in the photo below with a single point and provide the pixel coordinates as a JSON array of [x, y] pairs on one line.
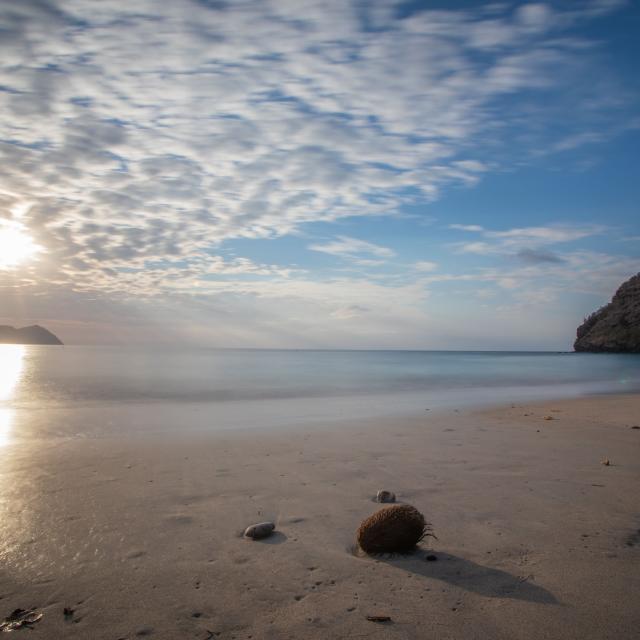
[[141, 537]]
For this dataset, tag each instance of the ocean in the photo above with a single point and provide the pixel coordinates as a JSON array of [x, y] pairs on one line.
[[89, 391]]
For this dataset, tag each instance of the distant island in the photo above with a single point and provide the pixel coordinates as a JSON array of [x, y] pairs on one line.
[[35, 334], [616, 326]]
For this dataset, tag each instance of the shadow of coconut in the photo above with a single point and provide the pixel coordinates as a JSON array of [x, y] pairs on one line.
[[277, 537], [468, 575], [355, 550]]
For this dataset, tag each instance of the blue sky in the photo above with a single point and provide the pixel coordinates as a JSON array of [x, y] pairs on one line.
[[318, 174]]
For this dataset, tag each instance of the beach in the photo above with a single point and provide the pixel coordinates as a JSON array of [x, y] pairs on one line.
[[319, 320], [142, 536]]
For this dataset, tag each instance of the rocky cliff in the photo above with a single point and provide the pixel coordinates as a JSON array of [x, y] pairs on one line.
[[616, 326], [34, 334]]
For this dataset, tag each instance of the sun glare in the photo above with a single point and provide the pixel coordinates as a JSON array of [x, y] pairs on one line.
[[11, 363], [16, 247], [6, 420]]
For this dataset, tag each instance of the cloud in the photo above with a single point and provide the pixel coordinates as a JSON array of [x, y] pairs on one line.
[[544, 235], [291, 311], [354, 249], [466, 227], [155, 134], [525, 242], [481, 248], [537, 256], [425, 265], [141, 143], [349, 312]]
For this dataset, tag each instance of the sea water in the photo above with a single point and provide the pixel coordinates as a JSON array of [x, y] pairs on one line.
[[99, 391]]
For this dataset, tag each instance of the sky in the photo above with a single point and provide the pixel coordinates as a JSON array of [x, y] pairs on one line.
[[317, 174]]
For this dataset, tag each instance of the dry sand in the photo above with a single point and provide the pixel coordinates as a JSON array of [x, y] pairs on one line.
[[141, 536]]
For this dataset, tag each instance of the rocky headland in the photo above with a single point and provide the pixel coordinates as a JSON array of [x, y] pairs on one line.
[[616, 326]]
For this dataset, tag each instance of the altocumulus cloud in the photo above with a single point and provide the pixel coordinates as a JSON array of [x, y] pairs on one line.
[[139, 137], [353, 249]]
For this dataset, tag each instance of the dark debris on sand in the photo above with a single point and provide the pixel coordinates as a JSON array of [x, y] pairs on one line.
[[379, 618], [20, 618]]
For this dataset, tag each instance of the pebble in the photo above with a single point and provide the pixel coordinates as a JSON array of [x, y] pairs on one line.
[[385, 496], [259, 530]]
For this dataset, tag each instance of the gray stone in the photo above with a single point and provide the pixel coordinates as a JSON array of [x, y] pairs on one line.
[[259, 530], [385, 496]]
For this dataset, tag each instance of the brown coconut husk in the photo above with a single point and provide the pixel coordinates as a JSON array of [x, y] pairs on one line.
[[395, 529]]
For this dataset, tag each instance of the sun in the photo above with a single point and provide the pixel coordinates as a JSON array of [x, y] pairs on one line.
[[16, 247]]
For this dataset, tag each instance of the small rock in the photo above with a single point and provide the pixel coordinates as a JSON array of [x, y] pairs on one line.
[[379, 618], [385, 496], [635, 426], [68, 612], [431, 558], [549, 418], [260, 530], [606, 462]]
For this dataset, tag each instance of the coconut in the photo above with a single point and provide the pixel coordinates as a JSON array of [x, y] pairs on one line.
[[395, 529]]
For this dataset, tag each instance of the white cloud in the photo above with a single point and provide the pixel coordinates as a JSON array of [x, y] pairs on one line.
[[525, 242], [425, 265], [139, 140], [544, 235], [352, 248], [481, 248], [466, 227], [349, 312], [156, 132], [578, 272]]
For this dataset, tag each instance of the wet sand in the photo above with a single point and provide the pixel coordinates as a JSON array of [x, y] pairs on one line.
[[141, 536]]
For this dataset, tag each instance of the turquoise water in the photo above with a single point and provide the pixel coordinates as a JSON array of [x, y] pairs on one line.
[[118, 388]]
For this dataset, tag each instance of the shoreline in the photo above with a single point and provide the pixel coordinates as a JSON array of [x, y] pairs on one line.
[[141, 536], [158, 418]]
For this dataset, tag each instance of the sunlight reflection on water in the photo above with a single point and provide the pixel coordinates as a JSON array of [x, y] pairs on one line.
[[11, 365], [6, 419]]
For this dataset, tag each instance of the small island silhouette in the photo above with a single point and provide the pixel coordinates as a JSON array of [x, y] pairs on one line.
[[35, 334]]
